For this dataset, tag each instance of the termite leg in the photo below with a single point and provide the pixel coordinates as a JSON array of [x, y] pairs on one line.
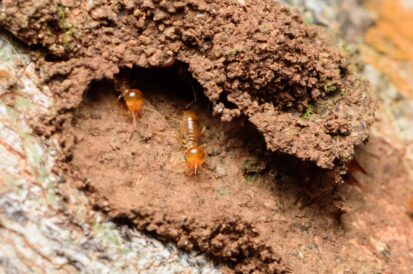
[[194, 96], [203, 129], [134, 119], [134, 125], [181, 139], [190, 172], [130, 138]]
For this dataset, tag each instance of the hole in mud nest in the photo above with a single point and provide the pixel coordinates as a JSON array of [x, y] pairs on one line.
[[149, 159], [126, 162], [142, 168], [223, 98], [168, 93], [122, 221]]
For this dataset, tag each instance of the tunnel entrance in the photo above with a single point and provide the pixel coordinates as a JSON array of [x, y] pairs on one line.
[[137, 173]]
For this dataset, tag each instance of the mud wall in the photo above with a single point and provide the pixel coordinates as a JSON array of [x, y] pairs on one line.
[[259, 56]]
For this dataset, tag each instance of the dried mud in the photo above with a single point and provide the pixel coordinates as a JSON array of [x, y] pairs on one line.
[[258, 60], [277, 85], [253, 210]]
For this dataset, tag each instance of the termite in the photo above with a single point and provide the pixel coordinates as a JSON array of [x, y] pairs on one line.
[[133, 97], [190, 133]]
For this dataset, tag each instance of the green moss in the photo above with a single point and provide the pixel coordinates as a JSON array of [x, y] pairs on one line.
[[230, 54], [246, 164], [68, 29], [250, 178], [330, 87], [308, 18], [353, 68], [68, 37], [61, 13], [347, 49], [253, 165], [309, 111]]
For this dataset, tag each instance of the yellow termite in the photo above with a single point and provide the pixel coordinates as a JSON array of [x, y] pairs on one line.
[[133, 98], [190, 132]]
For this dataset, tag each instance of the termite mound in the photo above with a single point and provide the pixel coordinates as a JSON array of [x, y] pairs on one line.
[[139, 173], [253, 59], [300, 93], [230, 210]]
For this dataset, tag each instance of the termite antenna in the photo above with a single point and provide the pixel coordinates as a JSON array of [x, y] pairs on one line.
[[194, 96]]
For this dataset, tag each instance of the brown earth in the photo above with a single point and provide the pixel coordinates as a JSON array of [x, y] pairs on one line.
[[256, 59], [277, 86], [248, 208]]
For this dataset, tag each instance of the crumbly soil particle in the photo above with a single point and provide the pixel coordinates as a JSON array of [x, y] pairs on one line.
[[252, 58], [253, 210], [140, 174], [274, 82]]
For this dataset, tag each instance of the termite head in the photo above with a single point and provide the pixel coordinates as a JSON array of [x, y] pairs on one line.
[[190, 114], [195, 157], [134, 99]]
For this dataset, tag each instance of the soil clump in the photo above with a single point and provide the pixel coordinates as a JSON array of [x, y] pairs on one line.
[[287, 102], [255, 59]]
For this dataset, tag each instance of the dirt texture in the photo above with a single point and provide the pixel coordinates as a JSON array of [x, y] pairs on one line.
[[281, 90], [255, 59], [140, 174], [253, 210], [47, 226]]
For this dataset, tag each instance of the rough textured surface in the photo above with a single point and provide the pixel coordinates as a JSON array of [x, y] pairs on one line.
[[266, 202], [373, 234], [47, 226], [255, 59], [139, 174]]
